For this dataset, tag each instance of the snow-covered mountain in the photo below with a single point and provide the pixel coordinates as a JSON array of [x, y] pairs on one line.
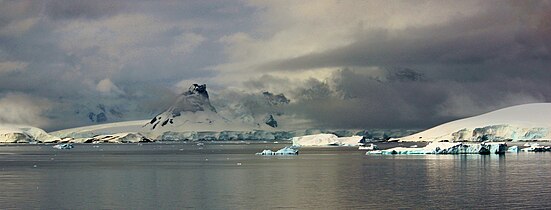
[[191, 108], [191, 113], [192, 117], [24, 134], [522, 122]]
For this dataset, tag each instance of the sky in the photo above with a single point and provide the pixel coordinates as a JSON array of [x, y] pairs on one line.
[[342, 64]]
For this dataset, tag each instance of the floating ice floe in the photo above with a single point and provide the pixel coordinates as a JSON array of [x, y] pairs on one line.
[[285, 151], [369, 147], [513, 149], [535, 147], [63, 146], [447, 148], [322, 140]]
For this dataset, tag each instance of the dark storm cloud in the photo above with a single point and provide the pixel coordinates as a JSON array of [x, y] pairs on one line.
[[404, 98], [132, 53], [500, 35], [60, 51], [436, 73]]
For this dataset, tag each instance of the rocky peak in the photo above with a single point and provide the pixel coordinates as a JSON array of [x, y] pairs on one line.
[[198, 89]]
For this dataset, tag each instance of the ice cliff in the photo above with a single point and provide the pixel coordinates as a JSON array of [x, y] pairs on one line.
[[447, 148]]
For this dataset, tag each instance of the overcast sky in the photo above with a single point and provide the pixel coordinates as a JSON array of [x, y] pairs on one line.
[[343, 64]]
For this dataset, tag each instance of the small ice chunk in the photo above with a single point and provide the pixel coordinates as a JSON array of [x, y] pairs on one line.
[[285, 151], [369, 147], [63, 146], [513, 149]]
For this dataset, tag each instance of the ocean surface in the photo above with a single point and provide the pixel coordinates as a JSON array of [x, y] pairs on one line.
[[230, 176]]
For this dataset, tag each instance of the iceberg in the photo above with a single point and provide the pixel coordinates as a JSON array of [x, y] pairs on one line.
[[320, 140], [369, 147], [537, 148], [512, 149], [63, 146], [446, 148], [285, 151]]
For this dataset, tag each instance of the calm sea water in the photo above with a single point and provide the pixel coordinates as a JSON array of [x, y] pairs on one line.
[[229, 176]]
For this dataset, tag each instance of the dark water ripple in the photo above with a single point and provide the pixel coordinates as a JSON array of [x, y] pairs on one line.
[[228, 176]]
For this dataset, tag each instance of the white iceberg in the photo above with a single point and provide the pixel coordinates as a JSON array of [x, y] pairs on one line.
[[320, 140], [369, 147], [63, 146], [447, 148], [537, 148], [285, 151]]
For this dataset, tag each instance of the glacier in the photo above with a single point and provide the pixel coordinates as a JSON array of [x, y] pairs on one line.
[[517, 123], [25, 134], [114, 138]]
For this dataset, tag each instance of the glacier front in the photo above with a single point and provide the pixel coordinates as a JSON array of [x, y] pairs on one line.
[[447, 148]]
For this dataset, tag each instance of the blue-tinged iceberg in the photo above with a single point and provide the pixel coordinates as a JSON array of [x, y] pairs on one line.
[[285, 151], [513, 149], [447, 148], [63, 146]]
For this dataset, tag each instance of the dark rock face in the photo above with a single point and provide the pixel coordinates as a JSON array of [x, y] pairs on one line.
[[270, 120], [92, 116], [198, 89], [278, 99], [98, 118], [101, 117]]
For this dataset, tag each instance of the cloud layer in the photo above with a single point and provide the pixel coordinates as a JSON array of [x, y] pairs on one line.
[[346, 64]]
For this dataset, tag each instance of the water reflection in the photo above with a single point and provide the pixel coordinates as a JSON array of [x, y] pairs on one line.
[[124, 177]]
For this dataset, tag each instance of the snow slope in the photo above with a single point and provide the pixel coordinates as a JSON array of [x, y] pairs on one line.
[[522, 122], [24, 134]]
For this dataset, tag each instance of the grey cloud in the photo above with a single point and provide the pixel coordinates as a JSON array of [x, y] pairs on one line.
[[20, 108], [69, 47], [495, 36], [437, 72], [67, 9], [353, 99]]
